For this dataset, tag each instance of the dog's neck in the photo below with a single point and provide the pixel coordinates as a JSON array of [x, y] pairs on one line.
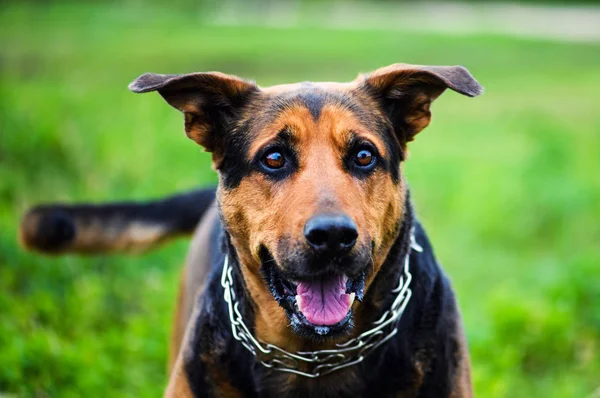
[[379, 296], [270, 324]]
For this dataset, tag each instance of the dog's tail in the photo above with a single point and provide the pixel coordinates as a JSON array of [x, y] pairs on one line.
[[113, 227]]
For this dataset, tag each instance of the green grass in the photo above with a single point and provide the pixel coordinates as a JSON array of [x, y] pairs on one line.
[[507, 184]]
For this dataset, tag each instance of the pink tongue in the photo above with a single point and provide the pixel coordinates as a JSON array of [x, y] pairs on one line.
[[324, 301]]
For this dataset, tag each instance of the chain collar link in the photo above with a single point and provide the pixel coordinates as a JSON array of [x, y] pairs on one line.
[[324, 361]]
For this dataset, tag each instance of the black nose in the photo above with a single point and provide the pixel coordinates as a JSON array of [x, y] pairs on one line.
[[331, 234]]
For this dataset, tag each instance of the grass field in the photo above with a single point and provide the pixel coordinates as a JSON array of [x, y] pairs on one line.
[[507, 184]]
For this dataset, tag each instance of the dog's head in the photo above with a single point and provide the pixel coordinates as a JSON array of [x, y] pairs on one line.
[[311, 190]]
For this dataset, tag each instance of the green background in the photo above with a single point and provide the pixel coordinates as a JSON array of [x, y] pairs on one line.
[[507, 185]]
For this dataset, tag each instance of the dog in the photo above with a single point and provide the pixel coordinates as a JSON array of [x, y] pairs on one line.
[[309, 274]]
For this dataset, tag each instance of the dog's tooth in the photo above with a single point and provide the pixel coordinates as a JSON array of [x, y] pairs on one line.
[[352, 297], [322, 330], [349, 284], [360, 293], [359, 287]]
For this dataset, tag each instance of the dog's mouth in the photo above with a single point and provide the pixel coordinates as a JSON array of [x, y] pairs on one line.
[[316, 306]]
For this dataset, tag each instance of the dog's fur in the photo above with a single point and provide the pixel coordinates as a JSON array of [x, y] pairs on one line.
[[257, 217]]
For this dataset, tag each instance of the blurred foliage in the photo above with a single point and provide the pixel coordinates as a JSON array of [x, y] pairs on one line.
[[508, 186]]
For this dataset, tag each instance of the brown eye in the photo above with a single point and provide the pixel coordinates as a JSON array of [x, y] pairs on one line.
[[274, 160], [363, 158]]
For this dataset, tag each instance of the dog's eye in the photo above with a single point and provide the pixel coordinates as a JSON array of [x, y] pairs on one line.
[[364, 158], [273, 160]]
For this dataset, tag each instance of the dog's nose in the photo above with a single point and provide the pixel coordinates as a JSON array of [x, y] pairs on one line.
[[331, 234]]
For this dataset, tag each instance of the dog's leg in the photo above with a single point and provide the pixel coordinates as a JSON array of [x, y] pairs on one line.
[[462, 386], [193, 279], [179, 386], [179, 323]]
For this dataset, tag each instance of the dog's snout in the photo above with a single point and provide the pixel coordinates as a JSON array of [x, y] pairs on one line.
[[331, 234]]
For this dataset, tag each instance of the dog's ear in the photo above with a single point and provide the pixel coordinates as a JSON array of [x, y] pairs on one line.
[[208, 101], [406, 92]]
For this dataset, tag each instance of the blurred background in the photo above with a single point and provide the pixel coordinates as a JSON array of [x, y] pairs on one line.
[[507, 184]]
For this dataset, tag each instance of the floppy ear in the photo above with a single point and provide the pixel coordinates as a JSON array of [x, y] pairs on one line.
[[208, 101], [406, 92]]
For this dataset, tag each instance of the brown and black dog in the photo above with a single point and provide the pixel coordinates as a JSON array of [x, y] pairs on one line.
[[313, 224]]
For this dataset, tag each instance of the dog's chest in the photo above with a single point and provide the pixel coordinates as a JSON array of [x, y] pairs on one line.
[[353, 382], [341, 384]]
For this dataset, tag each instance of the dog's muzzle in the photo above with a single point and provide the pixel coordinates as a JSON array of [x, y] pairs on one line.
[[323, 361]]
